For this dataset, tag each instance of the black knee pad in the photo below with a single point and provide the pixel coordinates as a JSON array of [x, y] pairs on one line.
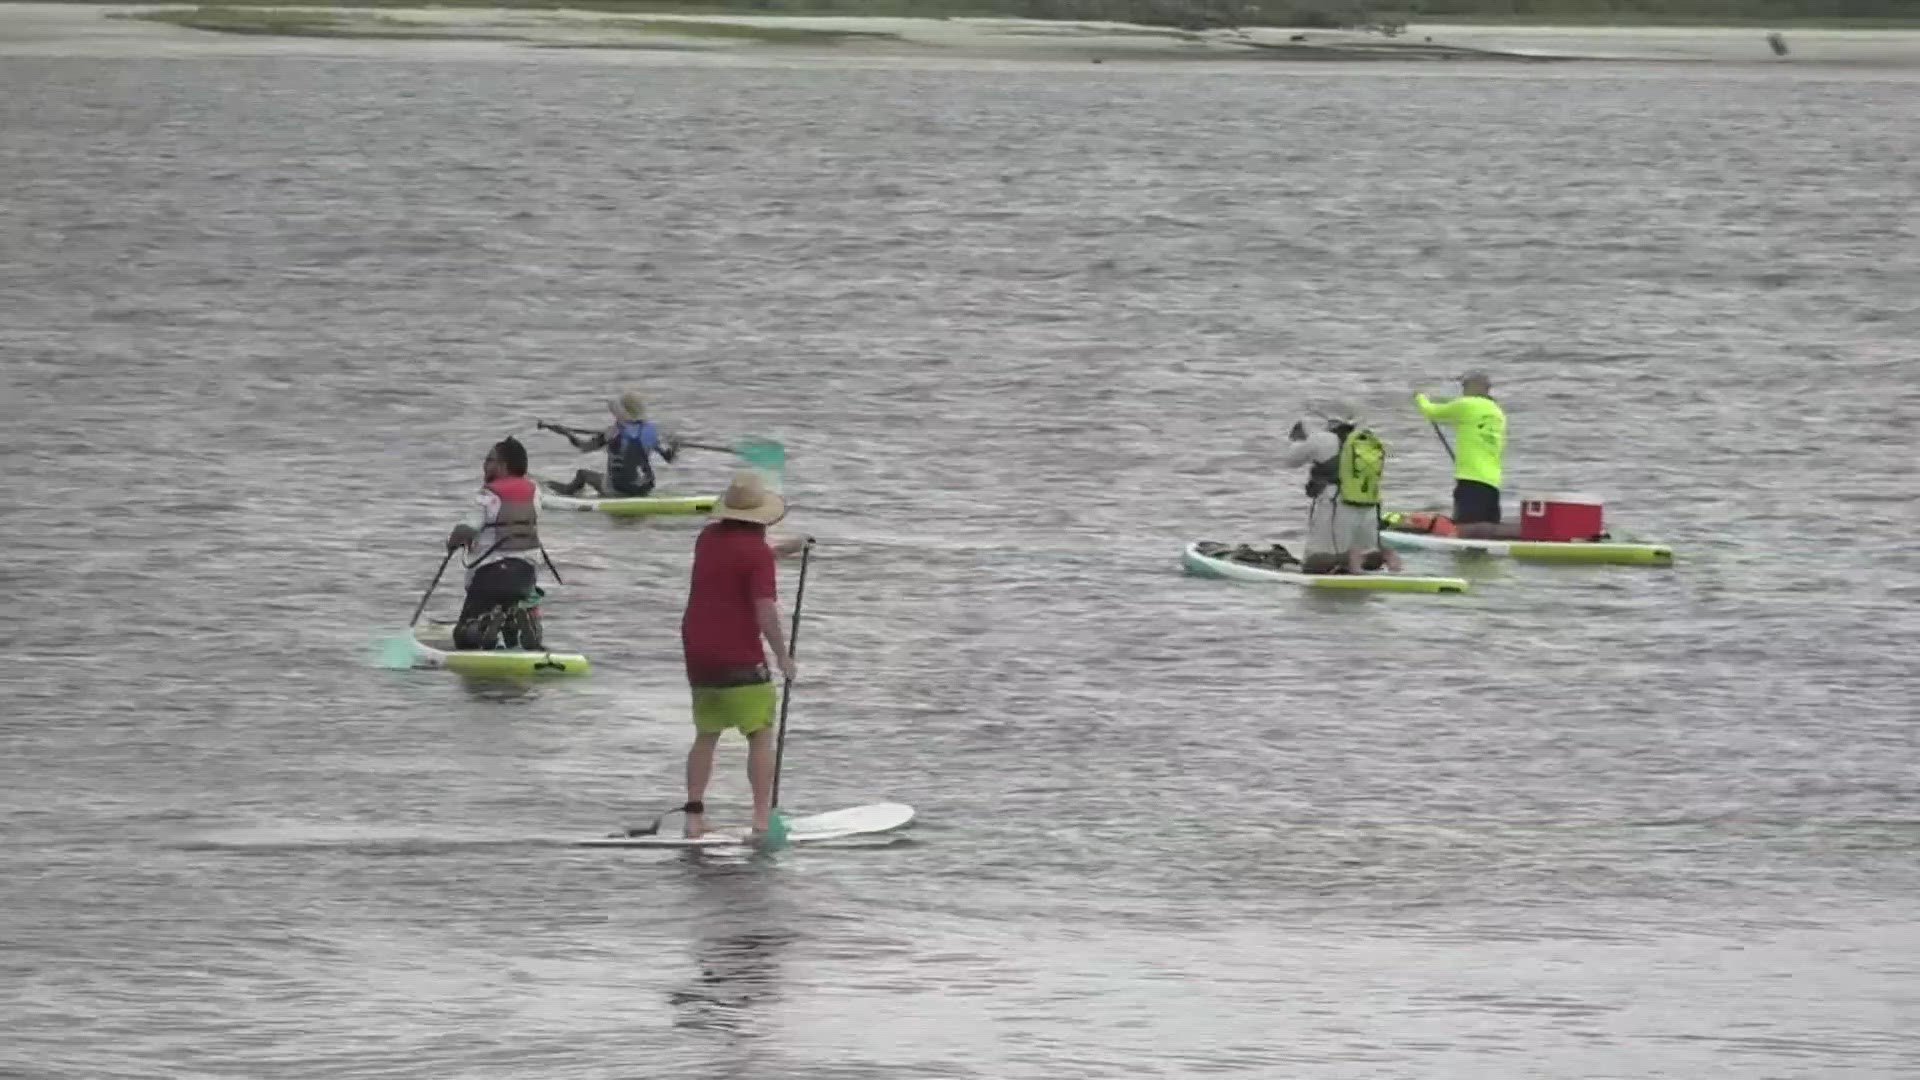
[[1324, 563], [479, 633], [523, 630]]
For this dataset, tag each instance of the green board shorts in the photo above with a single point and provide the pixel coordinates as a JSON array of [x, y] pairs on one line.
[[749, 708]]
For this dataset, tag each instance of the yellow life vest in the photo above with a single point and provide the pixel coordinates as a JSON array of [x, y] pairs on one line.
[[1362, 464]]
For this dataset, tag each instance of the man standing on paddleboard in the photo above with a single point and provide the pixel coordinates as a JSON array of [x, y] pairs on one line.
[[1345, 462], [732, 605], [1480, 443]]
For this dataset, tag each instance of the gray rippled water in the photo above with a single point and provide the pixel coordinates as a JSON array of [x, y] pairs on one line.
[[1025, 330]]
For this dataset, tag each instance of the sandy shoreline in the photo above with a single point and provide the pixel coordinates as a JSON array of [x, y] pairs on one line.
[[55, 29]]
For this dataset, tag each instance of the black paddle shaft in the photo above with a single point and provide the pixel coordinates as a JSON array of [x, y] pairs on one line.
[[786, 692], [432, 585]]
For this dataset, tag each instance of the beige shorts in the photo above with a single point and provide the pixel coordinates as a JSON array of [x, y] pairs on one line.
[[1336, 528]]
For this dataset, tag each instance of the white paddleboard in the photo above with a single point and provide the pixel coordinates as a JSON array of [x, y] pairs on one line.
[[835, 825]]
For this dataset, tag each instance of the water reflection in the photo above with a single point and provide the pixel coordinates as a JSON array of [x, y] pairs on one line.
[[735, 955], [497, 690]]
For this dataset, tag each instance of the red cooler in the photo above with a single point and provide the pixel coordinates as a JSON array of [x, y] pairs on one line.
[[1561, 517]]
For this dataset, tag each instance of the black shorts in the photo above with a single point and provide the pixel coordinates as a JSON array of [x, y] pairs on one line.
[[1475, 503], [497, 584], [628, 486]]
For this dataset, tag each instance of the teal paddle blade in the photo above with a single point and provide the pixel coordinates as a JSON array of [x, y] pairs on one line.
[[775, 837], [394, 652], [766, 455]]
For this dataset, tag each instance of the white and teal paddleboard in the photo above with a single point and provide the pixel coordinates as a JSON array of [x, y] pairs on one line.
[[1203, 559], [869, 820]]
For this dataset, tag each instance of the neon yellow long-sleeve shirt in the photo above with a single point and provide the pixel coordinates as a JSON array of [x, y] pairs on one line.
[[1480, 427]]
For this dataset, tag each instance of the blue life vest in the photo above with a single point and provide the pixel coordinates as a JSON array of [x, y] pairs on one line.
[[641, 432], [627, 453]]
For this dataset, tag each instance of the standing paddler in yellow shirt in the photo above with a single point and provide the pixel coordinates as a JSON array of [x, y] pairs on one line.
[[1480, 435]]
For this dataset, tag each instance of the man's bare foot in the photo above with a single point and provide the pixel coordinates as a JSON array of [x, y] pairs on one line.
[[696, 826]]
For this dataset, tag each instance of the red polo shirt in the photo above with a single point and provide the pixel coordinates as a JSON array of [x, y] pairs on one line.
[[732, 568]]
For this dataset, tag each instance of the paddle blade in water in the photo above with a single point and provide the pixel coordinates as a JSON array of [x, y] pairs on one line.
[[775, 837], [395, 652]]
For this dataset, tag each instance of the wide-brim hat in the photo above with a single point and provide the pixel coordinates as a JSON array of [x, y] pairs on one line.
[[748, 499], [628, 406]]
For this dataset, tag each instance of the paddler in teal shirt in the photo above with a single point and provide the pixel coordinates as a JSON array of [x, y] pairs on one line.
[[631, 441], [1480, 442]]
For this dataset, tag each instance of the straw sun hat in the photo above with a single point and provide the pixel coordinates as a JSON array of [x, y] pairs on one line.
[[747, 499], [628, 406]]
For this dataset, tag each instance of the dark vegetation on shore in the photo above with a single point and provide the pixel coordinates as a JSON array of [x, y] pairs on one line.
[[1380, 15], [287, 21], [1341, 14]]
